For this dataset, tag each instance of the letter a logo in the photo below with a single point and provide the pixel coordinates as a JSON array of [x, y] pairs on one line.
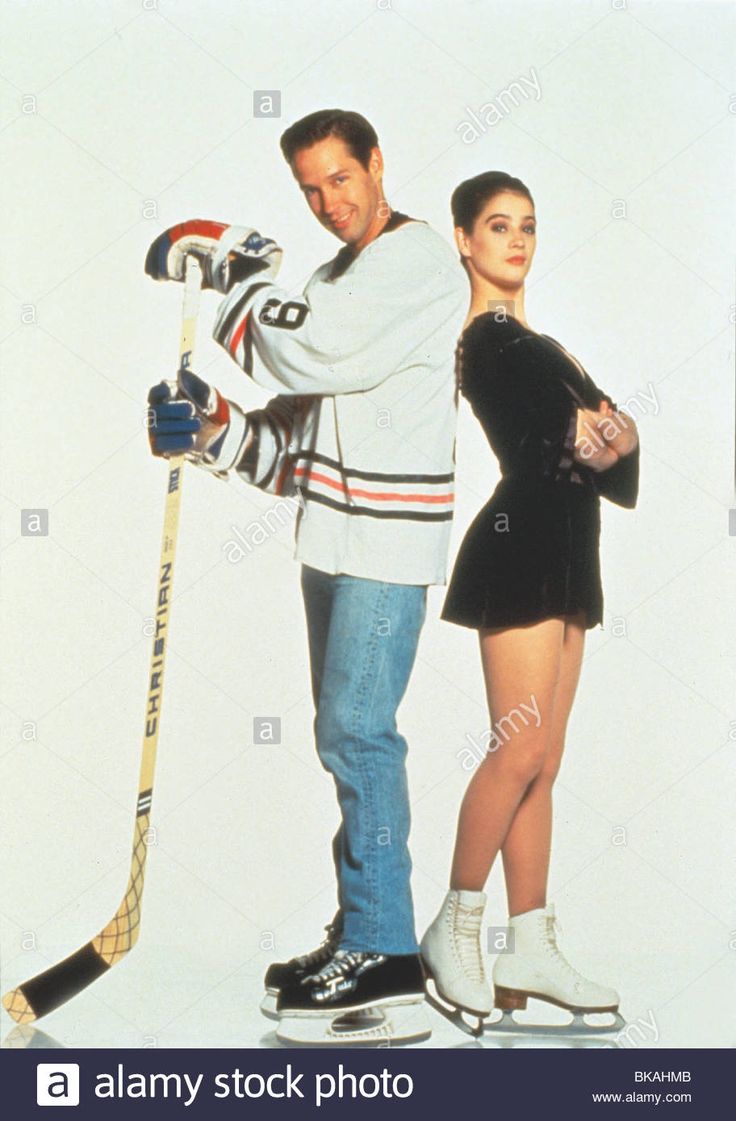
[[57, 1084]]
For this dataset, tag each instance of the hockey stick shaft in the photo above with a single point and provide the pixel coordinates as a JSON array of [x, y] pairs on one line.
[[52, 988]]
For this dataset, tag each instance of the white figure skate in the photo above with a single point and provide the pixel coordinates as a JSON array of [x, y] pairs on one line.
[[453, 961], [537, 968]]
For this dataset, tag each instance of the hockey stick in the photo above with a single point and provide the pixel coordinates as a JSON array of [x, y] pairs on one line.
[[48, 990]]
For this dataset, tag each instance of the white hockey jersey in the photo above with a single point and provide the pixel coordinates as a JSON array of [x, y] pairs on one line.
[[363, 426]]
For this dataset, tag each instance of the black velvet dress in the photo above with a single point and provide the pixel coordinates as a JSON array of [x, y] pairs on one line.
[[532, 552]]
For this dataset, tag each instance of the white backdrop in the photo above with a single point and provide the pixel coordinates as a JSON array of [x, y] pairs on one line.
[[120, 118]]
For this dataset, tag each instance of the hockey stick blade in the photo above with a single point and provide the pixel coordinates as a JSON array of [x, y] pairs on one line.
[[58, 984]]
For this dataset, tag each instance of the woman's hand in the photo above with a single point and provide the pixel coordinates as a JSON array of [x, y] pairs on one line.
[[591, 447], [619, 431]]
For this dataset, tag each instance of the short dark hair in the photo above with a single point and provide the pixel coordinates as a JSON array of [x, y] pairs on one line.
[[358, 133], [469, 198]]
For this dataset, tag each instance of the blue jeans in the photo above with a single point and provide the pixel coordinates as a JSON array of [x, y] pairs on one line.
[[363, 637]]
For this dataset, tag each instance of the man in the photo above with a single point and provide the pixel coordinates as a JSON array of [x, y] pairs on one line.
[[363, 429]]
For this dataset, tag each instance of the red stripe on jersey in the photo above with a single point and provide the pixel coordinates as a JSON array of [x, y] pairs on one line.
[[378, 496], [283, 475], [238, 334]]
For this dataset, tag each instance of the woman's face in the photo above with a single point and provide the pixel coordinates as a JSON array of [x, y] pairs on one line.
[[500, 247]]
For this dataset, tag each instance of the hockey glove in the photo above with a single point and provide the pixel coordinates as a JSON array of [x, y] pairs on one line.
[[227, 254], [192, 418]]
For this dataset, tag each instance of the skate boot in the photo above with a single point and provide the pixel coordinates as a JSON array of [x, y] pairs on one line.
[[281, 974], [356, 998], [537, 968], [453, 958]]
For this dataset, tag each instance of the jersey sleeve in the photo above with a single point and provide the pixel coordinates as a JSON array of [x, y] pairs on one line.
[[266, 462], [341, 336], [620, 483]]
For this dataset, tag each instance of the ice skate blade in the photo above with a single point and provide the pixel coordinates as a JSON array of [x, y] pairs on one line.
[[268, 1004], [577, 1026], [381, 1026], [317, 1012], [455, 1015]]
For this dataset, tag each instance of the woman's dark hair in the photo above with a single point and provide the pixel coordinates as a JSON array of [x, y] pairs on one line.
[[358, 133], [469, 198]]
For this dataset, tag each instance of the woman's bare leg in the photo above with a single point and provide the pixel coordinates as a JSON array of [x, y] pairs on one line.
[[526, 848], [521, 666]]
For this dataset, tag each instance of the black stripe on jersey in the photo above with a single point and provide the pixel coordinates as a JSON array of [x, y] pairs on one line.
[[248, 353], [234, 313], [374, 476], [364, 511], [248, 461], [277, 459]]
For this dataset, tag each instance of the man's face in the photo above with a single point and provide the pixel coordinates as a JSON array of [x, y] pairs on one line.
[[342, 194]]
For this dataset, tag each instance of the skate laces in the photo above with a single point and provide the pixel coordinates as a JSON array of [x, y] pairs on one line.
[[339, 965], [552, 928], [314, 957], [467, 941]]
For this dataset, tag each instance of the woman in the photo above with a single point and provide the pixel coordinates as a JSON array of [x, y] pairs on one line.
[[527, 577]]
